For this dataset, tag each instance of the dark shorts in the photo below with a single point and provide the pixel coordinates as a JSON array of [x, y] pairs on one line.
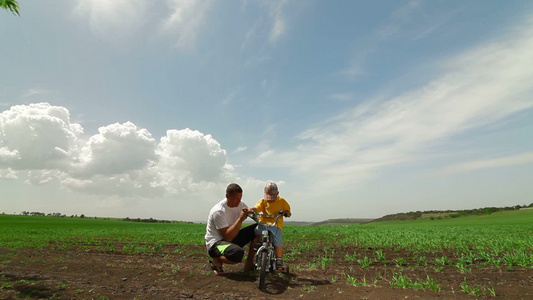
[[233, 250]]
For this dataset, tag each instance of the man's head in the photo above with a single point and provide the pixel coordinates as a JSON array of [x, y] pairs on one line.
[[271, 191], [233, 195]]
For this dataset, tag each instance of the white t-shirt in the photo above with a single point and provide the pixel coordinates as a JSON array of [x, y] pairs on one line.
[[221, 216]]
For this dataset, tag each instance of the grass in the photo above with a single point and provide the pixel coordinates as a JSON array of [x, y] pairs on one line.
[[353, 281], [504, 231], [380, 256], [364, 262], [501, 238], [401, 281], [37, 232], [476, 290]]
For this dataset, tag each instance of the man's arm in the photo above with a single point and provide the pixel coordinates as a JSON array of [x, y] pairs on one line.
[[229, 233]]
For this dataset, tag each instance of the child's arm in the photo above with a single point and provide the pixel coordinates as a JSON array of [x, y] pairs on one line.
[[287, 209]]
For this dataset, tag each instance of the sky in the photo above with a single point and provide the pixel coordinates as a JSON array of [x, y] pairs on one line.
[[356, 109]]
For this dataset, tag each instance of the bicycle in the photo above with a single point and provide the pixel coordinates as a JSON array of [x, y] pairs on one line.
[[265, 259]]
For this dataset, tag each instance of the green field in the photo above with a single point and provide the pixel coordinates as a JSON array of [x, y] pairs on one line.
[[483, 256], [504, 231], [510, 231], [38, 232]]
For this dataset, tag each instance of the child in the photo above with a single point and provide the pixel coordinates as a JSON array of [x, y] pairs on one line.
[[271, 204]]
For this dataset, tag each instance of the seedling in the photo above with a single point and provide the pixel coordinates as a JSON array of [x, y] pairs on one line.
[[380, 256], [364, 262]]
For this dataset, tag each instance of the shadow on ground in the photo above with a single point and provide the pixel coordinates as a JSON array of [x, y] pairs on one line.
[[277, 283]]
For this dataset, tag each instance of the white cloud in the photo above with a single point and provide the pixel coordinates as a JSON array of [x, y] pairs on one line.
[[8, 174], [478, 88], [263, 157], [135, 184], [230, 98], [118, 148], [112, 19], [278, 20], [8, 156], [279, 27], [126, 162], [481, 164], [356, 65], [191, 154], [37, 136], [266, 28], [39, 145], [240, 149], [185, 20], [38, 177]]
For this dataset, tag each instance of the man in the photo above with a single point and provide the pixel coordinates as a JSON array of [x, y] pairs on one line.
[[224, 237]]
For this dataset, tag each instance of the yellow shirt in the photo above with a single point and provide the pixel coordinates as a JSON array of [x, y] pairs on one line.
[[272, 208]]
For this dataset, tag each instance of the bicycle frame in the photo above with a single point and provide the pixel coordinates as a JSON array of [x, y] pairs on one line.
[[265, 258]]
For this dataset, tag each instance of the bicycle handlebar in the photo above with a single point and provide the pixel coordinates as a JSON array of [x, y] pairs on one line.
[[253, 215]]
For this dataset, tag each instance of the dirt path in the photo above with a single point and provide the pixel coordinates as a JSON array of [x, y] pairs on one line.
[[181, 272]]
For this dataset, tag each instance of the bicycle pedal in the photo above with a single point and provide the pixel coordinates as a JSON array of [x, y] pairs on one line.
[[284, 269]]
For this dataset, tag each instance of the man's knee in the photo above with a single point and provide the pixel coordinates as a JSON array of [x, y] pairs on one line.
[[234, 254], [230, 251]]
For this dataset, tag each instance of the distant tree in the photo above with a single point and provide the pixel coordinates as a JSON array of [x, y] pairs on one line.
[[11, 5], [82, 216]]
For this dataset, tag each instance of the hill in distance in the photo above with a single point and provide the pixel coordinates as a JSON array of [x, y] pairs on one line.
[[431, 214], [346, 221]]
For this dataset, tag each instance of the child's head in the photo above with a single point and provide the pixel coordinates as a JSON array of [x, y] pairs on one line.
[[271, 191]]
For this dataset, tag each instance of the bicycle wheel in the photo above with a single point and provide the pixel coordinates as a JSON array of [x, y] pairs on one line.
[[263, 267]]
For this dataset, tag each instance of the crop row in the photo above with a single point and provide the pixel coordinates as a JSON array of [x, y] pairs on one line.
[[508, 243]]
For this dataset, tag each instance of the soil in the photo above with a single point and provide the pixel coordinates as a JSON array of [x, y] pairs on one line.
[[182, 272]]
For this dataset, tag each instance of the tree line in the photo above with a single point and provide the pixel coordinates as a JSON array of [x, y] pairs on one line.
[[127, 219], [151, 220], [56, 214]]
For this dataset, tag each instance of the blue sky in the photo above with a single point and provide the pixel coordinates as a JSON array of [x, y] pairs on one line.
[[356, 108]]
